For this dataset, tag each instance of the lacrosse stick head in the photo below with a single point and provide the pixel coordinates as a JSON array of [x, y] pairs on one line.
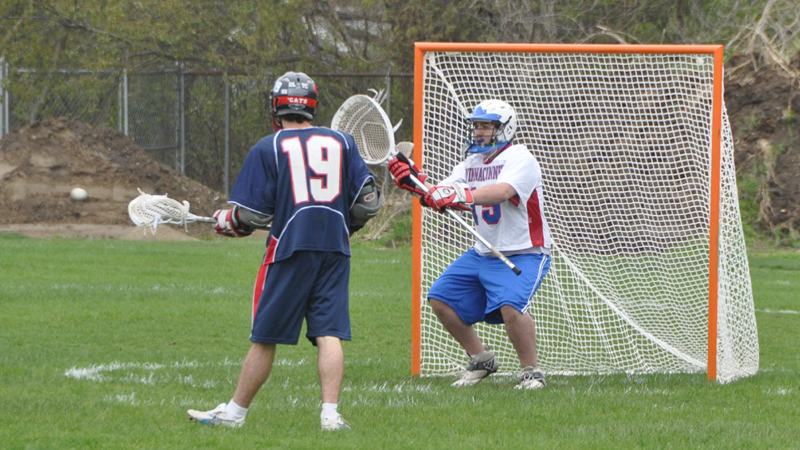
[[149, 210], [364, 119]]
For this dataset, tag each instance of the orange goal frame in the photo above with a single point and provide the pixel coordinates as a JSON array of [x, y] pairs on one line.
[[420, 48]]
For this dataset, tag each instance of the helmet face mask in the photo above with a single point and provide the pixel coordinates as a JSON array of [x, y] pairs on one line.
[[504, 119], [294, 93]]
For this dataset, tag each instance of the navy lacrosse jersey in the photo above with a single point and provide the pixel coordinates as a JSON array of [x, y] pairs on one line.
[[308, 179]]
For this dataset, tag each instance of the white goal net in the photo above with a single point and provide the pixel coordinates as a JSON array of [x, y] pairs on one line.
[[625, 141]]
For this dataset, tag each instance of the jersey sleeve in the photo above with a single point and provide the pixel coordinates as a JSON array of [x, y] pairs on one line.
[[522, 173], [255, 186], [459, 174], [357, 171]]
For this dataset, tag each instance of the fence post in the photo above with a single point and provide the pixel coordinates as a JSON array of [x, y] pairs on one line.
[[3, 99], [227, 132], [125, 100], [389, 95], [182, 109], [119, 105]]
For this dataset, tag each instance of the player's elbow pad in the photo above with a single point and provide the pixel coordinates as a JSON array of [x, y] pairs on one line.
[[253, 219], [367, 206]]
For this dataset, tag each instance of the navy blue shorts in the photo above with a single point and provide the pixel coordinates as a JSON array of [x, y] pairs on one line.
[[477, 286], [308, 285]]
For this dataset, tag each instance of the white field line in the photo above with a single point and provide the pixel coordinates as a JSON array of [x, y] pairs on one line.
[[287, 393], [102, 372], [168, 287], [780, 311]]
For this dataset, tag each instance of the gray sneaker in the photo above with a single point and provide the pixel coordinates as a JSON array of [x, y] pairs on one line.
[[479, 367], [531, 378]]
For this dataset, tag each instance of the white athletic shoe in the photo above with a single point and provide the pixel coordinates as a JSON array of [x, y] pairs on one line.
[[479, 367], [531, 378], [216, 416], [334, 423]]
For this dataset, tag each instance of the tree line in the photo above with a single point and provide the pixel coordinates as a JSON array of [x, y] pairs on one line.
[[362, 35]]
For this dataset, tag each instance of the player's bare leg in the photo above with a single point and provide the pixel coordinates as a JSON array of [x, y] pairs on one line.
[[463, 333], [522, 333], [482, 362], [330, 364], [255, 371]]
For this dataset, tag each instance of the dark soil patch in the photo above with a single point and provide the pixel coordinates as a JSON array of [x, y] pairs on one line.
[[41, 163], [763, 103]]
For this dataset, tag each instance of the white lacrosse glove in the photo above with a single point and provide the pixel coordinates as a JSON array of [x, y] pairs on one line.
[[458, 196]]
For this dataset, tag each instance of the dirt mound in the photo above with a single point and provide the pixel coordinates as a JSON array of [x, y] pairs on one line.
[[41, 163], [763, 103]]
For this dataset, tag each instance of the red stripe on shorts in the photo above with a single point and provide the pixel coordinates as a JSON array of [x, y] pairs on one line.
[[269, 257]]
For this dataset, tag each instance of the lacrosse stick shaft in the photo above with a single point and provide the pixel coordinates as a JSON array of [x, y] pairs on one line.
[[461, 221], [203, 219]]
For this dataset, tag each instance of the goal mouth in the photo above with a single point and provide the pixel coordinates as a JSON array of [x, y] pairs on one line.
[[649, 271]]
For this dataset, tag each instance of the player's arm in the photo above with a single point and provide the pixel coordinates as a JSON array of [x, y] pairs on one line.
[[459, 196], [493, 194], [366, 206], [240, 222], [253, 219]]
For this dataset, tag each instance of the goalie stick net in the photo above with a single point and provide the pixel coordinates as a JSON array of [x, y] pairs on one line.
[[649, 271], [363, 118]]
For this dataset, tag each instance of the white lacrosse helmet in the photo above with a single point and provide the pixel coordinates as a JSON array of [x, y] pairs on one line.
[[502, 115]]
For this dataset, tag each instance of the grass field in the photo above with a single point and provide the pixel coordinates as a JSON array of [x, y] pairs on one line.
[[104, 344]]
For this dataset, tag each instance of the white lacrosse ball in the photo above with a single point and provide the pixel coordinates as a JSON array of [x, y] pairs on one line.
[[78, 194]]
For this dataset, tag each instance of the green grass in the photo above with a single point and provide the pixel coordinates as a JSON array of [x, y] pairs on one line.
[[105, 344]]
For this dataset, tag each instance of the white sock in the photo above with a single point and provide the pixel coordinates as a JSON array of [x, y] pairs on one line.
[[329, 410], [235, 411]]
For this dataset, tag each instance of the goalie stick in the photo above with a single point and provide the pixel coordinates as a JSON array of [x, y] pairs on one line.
[[495, 252], [363, 117], [150, 210]]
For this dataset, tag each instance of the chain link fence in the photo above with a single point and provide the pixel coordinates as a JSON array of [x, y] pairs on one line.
[[200, 123]]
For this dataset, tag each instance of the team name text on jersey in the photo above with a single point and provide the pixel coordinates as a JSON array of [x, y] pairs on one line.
[[483, 173]]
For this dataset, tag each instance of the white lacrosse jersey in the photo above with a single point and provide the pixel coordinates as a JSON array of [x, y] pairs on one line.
[[518, 224]]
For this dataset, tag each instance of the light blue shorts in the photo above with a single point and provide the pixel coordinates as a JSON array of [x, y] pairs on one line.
[[477, 286]]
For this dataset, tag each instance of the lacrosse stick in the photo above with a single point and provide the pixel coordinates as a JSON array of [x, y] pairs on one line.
[[363, 117], [150, 210]]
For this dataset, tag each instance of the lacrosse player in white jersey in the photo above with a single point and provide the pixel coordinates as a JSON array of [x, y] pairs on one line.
[[501, 183]]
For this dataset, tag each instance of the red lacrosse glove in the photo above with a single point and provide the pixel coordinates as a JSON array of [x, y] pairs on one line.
[[457, 196], [228, 224], [401, 173]]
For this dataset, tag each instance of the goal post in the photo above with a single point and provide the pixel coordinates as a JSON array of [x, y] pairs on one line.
[[649, 268]]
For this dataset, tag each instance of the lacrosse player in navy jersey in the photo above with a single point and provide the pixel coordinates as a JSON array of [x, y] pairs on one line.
[[501, 183], [311, 188]]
